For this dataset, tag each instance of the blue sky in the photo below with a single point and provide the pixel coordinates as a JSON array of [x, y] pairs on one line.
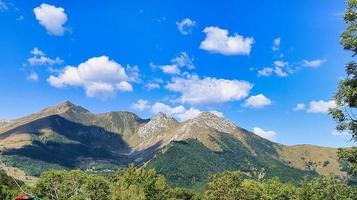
[[251, 61]]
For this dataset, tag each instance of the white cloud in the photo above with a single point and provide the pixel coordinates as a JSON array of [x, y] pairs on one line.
[[258, 101], [180, 111], [125, 86], [141, 105], [161, 107], [218, 41], [276, 44], [280, 63], [39, 58], [340, 133], [219, 114], [269, 135], [321, 106], [299, 106], [185, 26], [170, 69], [280, 68], [313, 63], [266, 71], [209, 90], [52, 18], [183, 60], [279, 72], [99, 76], [3, 6], [188, 114], [152, 86], [33, 76]]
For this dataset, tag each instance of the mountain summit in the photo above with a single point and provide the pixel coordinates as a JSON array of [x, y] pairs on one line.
[[70, 136]]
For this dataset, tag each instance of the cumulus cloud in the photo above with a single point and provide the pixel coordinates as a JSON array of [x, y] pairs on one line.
[[98, 76], [39, 58], [33, 76], [141, 105], [218, 41], [257, 101], [299, 106], [313, 63], [186, 26], [208, 90], [52, 18], [321, 106], [269, 135], [276, 44]]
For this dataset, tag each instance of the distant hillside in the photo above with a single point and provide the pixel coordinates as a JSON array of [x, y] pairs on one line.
[[69, 136]]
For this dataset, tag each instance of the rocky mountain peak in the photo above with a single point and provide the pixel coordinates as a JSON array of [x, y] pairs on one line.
[[213, 121], [159, 123]]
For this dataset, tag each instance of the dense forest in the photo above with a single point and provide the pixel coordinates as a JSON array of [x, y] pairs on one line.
[[140, 184]]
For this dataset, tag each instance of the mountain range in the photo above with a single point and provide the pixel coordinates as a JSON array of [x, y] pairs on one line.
[[68, 136]]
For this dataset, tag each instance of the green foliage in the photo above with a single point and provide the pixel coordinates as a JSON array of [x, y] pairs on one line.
[[230, 185], [223, 186], [188, 164], [350, 156], [8, 188], [72, 185], [346, 96], [138, 184], [146, 184], [324, 188]]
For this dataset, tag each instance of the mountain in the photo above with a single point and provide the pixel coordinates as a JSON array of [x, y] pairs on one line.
[[69, 136]]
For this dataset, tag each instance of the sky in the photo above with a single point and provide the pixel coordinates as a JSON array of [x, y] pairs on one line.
[[270, 66]]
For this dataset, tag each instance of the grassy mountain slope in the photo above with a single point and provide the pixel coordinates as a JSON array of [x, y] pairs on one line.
[[69, 136]]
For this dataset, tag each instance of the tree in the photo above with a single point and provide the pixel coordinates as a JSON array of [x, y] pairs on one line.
[[223, 186], [72, 185], [326, 188], [138, 184], [345, 114], [8, 188]]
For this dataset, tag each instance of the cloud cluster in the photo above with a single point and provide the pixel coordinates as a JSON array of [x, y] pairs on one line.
[[269, 135], [52, 18], [179, 111], [186, 26], [280, 69], [39, 58], [99, 76], [182, 60], [316, 106], [257, 101], [218, 41], [195, 90]]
